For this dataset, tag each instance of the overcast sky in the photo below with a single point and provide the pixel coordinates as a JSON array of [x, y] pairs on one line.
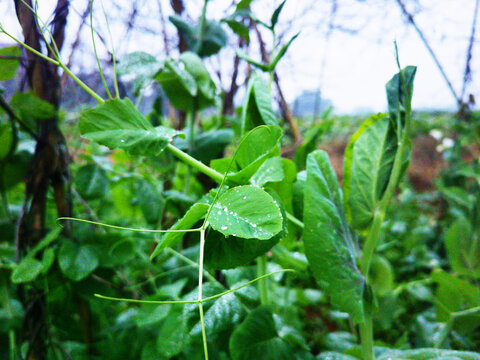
[[350, 66]]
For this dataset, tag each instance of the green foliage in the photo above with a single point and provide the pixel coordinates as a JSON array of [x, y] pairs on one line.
[[117, 124], [257, 109], [329, 243], [9, 61]]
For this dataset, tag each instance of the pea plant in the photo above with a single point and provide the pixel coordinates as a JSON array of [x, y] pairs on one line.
[[260, 204]]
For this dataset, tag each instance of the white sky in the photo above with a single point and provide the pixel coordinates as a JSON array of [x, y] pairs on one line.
[[351, 69]]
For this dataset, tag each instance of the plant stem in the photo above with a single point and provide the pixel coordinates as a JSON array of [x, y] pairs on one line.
[[371, 242], [295, 221], [203, 20], [262, 284], [189, 160], [366, 336], [13, 350], [200, 286]]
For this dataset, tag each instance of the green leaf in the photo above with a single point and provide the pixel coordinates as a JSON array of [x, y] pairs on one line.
[[429, 354], [211, 144], [454, 294], [77, 261], [149, 314], [282, 52], [399, 95], [258, 338], [48, 259], [6, 140], [381, 275], [238, 28], [91, 182], [243, 5], [9, 66], [30, 108], [221, 314], [232, 251], [185, 29], [11, 315], [369, 159], [172, 335], [247, 212], [259, 65], [179, 86], [329, 243], [276, 14], [213, 40], [15, 168], [117, 124], [270, 171], [27, 271], [150, 200], [328, 355], [192, 216], [142, 66], [205, 85], [309, 144], [463, 248], [257, 109]]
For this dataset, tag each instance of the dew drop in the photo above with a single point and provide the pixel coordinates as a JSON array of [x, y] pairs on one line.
[[223, 227], [122, 141], [254, 225], [244, 198]]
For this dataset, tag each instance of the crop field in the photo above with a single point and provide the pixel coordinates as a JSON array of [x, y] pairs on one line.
[[148, 212]]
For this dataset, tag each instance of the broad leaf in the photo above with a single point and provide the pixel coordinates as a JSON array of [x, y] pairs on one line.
[[30, 108], [270, 171], [77, 261], [9, 61], [6, 140], [91, 181], [463, 248], [117, 124], [257, 109], [369, 159], [238, 28], [257, 338], [429, 354], [221, 314], [329, 243], [399, 95], [28, 270], [172, 335], [213, 40], [142, 66], [193, 215], [150, 200], [247, 212]]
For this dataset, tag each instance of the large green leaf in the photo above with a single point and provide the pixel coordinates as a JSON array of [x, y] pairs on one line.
[[399, 95], [117, 124], [30, 108], [179, 85], [270, 171], [9, 61], [193, 215], [257, 338], [257, 109], [247, 212], [232, 251], [369, 159], [142, 66], [329, 243], [213, 40], [253, 150], [28, 270], [463, 248], [6, 140], [221, 314], [429, 354], [77, 261], [91, 181], [150, 200], [172, 335]]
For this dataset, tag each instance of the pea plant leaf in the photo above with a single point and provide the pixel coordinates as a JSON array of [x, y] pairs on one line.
[[329, 243], [399, 95], [369, 159], [27, 271], [6, 140], [270, 171], [257, 338], [9, 61], [257, 109], [117, 124], [463, 248], [254, 148], [91, 181], [429, 354], [77, 261], [247, 212]]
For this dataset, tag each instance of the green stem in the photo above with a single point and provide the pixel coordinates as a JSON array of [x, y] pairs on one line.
[[366, 336], [262, 284], [13, 348], [295, 221], [371, 242], [189, 160], [451, 321], [200, 288], [203, 21]]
